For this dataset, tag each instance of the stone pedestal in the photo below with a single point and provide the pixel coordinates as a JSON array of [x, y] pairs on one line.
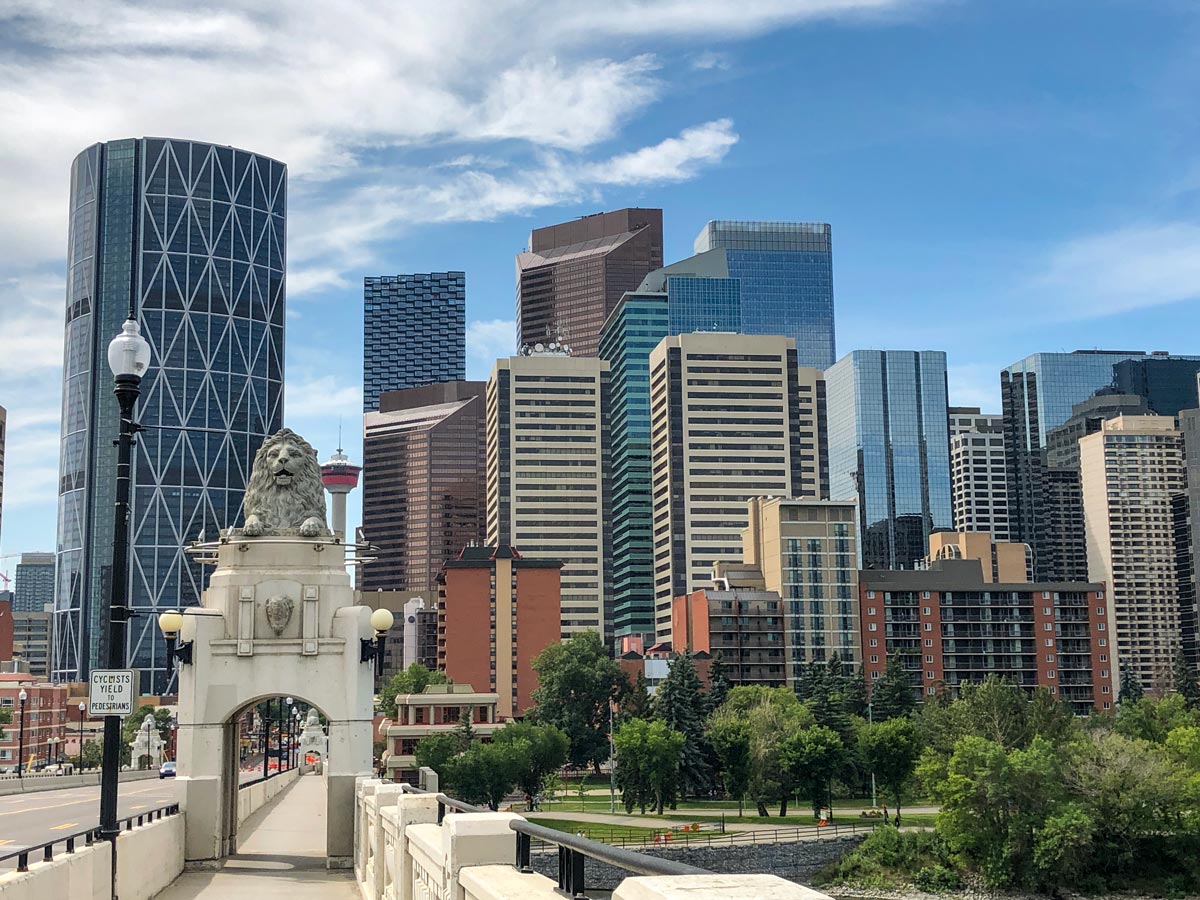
[[278, 619]]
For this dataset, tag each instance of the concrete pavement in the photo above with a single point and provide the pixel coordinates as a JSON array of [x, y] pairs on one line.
[[282, 854]]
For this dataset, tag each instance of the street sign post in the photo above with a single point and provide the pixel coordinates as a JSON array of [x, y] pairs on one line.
[[112, 692]]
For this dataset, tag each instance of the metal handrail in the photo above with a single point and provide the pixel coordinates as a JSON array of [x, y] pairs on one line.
[[684, 839], [90, 836]]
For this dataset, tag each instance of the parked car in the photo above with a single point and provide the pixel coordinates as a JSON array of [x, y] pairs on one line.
[[167, 770]]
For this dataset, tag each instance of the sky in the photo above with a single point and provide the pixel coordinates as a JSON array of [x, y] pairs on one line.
[[1002, 178]]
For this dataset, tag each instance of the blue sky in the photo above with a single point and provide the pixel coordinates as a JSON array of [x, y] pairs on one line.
[[1001, 177]]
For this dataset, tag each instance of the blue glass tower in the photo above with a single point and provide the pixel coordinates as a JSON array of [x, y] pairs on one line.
[[414, 332], [785, 280], [633, 329], [889, 446], [194, 234]]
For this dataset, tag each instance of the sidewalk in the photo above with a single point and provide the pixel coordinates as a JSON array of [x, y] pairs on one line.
[[282, 854]]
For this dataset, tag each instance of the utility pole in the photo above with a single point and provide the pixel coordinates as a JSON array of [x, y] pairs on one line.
[[871, 719], [612, 763]]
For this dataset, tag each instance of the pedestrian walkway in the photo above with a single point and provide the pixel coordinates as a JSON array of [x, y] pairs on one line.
[[281, 854]]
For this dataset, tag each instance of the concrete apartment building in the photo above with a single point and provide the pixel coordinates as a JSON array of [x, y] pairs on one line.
[[32, 635], [1001, 561], [439, 709], [496, 611], [978, 481], [1130, 471], [726, 425], [950, 628], [547, 470], [743, 625]]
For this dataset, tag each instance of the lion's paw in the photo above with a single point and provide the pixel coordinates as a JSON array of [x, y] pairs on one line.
[[312, 527], [253, 527]]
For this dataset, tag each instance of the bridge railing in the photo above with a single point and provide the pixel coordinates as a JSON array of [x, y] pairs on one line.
[[414, 845]]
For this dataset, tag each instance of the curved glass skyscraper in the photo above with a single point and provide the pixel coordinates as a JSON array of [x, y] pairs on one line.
[[195, 234]]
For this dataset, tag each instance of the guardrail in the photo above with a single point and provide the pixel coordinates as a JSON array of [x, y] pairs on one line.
[[90, 836], [684, 839]]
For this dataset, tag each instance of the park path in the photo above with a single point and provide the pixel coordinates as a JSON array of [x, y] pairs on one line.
[[282, 854]]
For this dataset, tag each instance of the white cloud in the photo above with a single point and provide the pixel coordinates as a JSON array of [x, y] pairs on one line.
[[710, 59], [675, 159], [1129, 268], [305, 399], [486, 342]]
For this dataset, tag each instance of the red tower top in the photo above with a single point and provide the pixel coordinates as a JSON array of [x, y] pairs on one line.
[[339, 475]]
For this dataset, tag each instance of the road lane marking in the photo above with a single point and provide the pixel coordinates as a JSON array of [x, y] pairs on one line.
[[139, 806], [64, 826], [5, 842], [91, 799]]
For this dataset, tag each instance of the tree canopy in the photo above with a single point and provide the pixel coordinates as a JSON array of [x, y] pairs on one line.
[[576, 683], [412, 680]]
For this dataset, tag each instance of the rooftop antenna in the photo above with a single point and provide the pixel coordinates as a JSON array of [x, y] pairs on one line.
[[339, 434]]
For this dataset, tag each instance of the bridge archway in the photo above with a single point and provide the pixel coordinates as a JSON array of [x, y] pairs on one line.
[[278, 619]]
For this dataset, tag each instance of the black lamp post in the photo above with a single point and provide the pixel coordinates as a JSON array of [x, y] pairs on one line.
[[296, 737], [265, 714], [21, 698], [82, 707], [128, 357]]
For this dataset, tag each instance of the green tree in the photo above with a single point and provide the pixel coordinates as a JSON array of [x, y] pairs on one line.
[[770, 714], [856, 694], [92, 755], [811, 757], [576, 683], [437, 750], [412, 680], [465, 729], [890, 750], [486, 773], [637, 703], [1152, 720], [680, 703], [648, 754], [730, 738], [543, 751], [893, 695], [1183, 681], [718, 681], [1131, 690]]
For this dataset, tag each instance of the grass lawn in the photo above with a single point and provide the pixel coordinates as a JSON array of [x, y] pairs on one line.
[[597, 831], [804, 817]]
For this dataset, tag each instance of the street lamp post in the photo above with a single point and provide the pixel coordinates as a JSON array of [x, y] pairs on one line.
[[296, 738], [82, 707], [265, 715], [21, 697], [128, 357], [287, 723]]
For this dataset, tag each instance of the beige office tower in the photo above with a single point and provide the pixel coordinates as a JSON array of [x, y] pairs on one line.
[[546, 474], [1129, 471], [978, 489], [725, 426], [807, 552]]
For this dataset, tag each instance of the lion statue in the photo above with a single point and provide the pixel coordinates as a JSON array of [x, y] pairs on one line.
[[285, 494]]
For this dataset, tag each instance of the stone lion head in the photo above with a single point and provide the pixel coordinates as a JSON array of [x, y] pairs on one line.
[[285, 493]]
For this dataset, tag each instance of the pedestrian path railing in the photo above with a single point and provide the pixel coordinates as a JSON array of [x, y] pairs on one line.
[[683, 838], [417, 845]]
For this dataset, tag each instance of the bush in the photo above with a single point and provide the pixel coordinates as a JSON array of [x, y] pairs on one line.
[[937, 878], [889, 857]]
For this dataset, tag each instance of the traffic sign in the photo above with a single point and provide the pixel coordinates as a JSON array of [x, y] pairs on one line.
[[112, 692]]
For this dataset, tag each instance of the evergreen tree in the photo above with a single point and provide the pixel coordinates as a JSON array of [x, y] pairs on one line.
[[1183, 681], [681, 705], [827, 696], [718, 682], [465, 730], [893, 694], [637, 703], [1131, 690], [855, 697]]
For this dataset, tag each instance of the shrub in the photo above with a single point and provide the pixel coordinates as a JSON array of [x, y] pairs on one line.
[[889, 857], [937, 878]]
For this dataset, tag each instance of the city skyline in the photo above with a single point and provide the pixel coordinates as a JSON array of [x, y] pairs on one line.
[[1049, 250]]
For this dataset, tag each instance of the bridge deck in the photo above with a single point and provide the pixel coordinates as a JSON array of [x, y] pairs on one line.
[[282, 854]]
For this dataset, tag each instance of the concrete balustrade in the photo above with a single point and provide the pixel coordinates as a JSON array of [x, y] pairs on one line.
[[149, 858], [402, 853], [256, 796]]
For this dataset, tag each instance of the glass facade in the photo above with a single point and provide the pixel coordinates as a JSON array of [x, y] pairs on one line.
[[1039, 394], [888, 438], [631, 332], [784, 272], [414, 332], [196, 232]]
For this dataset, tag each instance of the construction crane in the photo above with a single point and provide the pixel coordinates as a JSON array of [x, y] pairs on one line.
[[4, 575]]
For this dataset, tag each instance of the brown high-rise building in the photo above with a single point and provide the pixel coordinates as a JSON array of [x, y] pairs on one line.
[[573, 275], [423, 482]]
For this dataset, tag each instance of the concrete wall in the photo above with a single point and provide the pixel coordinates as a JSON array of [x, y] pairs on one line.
[[10, 784], [256, 796], [86, 874]]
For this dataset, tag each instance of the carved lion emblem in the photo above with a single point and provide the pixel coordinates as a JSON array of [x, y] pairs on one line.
[[279, 612], [285, 494]]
